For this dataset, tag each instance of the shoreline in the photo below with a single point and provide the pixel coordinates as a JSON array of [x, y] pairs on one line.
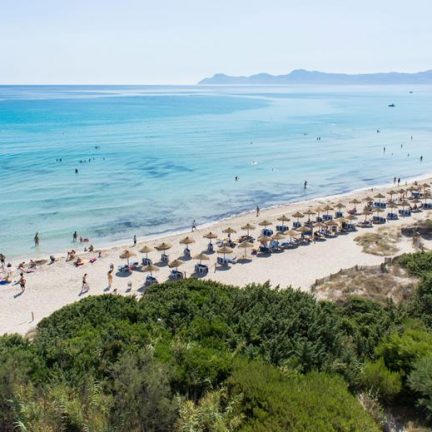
[[52, 286], [122, 243]]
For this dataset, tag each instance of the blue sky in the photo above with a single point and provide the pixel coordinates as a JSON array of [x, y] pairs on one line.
[[180, 42]]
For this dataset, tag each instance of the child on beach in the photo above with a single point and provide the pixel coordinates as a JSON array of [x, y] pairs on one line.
[[22, 282], [85, 286]]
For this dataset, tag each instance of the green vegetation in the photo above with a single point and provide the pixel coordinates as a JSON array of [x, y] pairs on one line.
[[197, 356]]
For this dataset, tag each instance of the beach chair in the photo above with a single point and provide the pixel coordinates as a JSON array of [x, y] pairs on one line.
[[281, 228], [222, 261], [327, 217], [201, 269], [392, 216], [378, 220], [264, 250], [381, 205], [427, 206], [146, 261], [267, 232], [176, 275], [150, 280], [210, 248], [405, 212], [339, 214], [186, 253], [164, 258], [124, 268], [296, 224]]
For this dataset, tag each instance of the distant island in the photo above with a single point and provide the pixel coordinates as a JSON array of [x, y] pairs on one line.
[[301, 76]]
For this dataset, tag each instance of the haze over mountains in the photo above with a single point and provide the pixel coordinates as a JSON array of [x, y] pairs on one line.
[[301, 76]]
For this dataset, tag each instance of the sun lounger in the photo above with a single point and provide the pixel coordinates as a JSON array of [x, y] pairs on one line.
[[124, 268], [281, 228], [210, 248], [381, 205], [427, 206], [405, 212], [267, 232], [365, 224], [392, 216], [150, 280], [164, 258], [186, 253], [289, 245], [378, 220], [327, 217], [146, 261], [201, 269], [264, 250], [176, 275], [339, 214], [296, 224], [222, 261]]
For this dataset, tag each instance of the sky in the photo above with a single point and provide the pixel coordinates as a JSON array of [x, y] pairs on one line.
[[183, 41]]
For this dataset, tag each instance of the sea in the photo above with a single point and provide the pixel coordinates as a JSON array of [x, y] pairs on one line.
[[151, 159]]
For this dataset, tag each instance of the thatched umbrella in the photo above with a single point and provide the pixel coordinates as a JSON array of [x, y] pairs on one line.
[[283, 219], [298, 215], [127, 254], [163, 246], [245, 245], [210, 235], [201, 257], [309, 213], [278, 236], [303, 229], [175, 264], [318, 211], [340, 206], [247, 228], [355, 201], [187, 240], [229, 231], [264, 239], [146, 250], [328, 208], [265, 223], [150, 269], [320, 225], [224, 250]]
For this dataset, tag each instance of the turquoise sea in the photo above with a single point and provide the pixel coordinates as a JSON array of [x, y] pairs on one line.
[[158, 157]]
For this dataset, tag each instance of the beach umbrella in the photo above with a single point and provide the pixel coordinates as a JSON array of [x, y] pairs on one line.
[[320, 225], [229, 231], [404, 204], [210, 235], [328, 208], [264, 239], [391, 193], [224, 250], [318, 211], [355, 201], [298, 215], [175, 264], [392, 204], [127, 254], [150, 269], [163, 246], [380, 196], [340, 206], [265, 223], [278, 236], [309, 213], [187, 240], [367, 199], [201, 257], [146, 250], [283, 219], [245, 245], [366, 213], [247, 228], [303, 229]]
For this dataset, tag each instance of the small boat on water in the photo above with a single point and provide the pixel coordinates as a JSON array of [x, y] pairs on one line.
[[392, 105]]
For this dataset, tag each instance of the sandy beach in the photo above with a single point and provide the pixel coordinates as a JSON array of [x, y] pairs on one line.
[[52, 286]]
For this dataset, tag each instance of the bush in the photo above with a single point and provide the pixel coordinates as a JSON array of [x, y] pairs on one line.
[[273, 401], [420, 381], [377, 378]]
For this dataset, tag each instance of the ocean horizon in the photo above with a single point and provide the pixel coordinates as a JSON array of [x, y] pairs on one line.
[[151, 159]]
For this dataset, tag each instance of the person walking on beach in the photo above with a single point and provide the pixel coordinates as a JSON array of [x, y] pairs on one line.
[[134, 240], [110, 278], [257, 211], [394, 180], [75, 237], [398, 181], [2, 262], [421, 158], [22, 282], [85, 286], [305, 184], [36, 239], [194, 227]]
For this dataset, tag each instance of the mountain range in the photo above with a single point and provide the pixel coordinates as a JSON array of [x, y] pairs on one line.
[[301, 76]]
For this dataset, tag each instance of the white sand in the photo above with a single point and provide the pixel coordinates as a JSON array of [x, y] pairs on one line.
[[52, 286]]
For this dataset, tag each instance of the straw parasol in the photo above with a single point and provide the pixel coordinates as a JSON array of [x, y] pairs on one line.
[[318, 211], [146, 249], [224, 250], [163, 246], [283, 219], [320, 225], [303, 229], [265, 223], [367, 199], [174, 264], [127, 254], [245, 245], [150, 269], [380, 196], [328, 208], [210, 235], [229, 231], [187, 240], [355, 201], [298, 215], [264, 239], [201, 257], [340, 206], [309, 213], [247, 228], [278, 236]]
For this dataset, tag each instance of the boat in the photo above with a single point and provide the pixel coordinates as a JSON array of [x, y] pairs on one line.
[[392, 105]]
